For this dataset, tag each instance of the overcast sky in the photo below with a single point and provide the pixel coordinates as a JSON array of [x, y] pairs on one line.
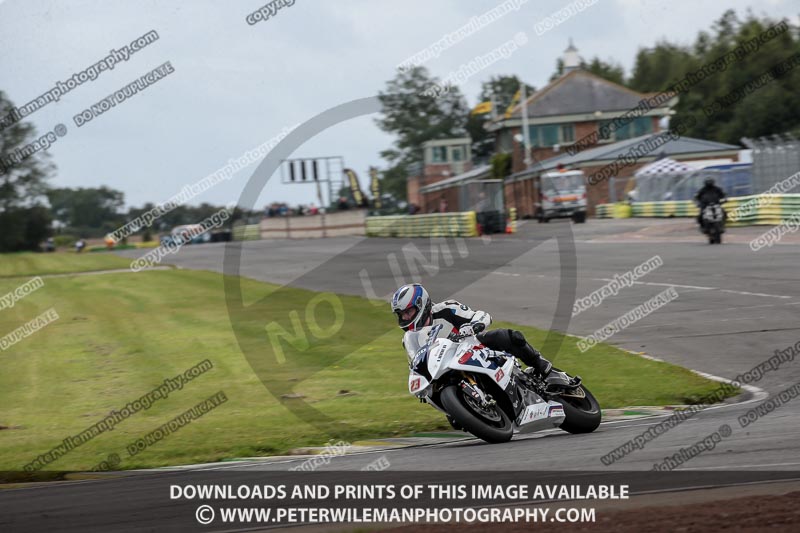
[[237, 85]]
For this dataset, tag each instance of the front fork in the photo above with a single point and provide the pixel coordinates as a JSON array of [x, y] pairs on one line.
[[470, 387]]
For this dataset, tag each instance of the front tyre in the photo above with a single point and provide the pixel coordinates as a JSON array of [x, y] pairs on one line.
[[540, 217], [581, 411], [491, 425]]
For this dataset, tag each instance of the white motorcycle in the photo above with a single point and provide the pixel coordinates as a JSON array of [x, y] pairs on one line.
[[486, 393]]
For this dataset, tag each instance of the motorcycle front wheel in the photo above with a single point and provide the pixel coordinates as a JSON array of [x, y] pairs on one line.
[[490, 424]]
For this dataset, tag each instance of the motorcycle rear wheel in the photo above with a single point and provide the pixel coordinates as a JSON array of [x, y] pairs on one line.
[[493, 431], [581, 410]]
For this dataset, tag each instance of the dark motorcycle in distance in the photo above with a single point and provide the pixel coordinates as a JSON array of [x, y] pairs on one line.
[[713, 222]]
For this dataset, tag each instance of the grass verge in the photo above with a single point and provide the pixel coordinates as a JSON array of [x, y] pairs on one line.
[[33, 264], [120, 336]]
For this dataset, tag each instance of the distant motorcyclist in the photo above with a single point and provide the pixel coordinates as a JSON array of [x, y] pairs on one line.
[[709, 194], [414, 309]]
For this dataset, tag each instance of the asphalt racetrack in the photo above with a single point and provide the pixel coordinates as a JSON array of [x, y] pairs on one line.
[[735, 308]]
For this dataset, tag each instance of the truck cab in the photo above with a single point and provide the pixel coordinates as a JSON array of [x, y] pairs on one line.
[[561, 194]]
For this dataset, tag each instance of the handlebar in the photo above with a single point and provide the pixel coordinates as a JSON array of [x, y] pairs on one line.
[[458, 337]]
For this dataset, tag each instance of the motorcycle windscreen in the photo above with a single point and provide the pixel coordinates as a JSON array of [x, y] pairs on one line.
[[416, 340]]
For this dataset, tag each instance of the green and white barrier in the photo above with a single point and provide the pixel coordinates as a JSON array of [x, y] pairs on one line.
[[754, 210], [604, 211], [463, 224], [618, 210], [685, 208]]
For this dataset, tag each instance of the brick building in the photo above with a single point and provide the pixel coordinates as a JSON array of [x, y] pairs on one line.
[[575, 107], [442, 159]]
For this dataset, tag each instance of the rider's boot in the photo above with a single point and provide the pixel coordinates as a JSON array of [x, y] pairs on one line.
[[530, 356]]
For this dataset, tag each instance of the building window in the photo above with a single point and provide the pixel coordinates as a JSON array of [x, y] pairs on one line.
[[605, 131], [550, 134], [634, 128], [457, 154], [567, 133], [439, 154], [642, 126], [533, 136]]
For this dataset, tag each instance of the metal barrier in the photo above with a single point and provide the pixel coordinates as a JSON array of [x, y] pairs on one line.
[[463, 224], [754, 210], [775, 158]]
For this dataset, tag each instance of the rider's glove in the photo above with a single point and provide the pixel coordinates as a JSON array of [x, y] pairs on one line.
[[466, 330]]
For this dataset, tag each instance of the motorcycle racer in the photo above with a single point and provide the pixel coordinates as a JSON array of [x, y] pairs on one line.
[[414, 309], [709, 194]]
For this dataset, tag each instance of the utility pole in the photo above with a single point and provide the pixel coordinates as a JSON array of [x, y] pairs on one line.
[[525, 133], [322, 207]]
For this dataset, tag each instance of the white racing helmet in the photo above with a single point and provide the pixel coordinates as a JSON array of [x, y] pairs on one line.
[[412, 305]]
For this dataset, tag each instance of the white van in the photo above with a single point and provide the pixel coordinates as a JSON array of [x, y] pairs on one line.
[[562, 194]]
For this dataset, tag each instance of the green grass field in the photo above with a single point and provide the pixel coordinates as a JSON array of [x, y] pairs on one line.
[[120, 335], [31, 264]]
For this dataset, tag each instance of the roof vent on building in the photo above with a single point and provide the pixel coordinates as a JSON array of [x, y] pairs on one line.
[[571, 58]]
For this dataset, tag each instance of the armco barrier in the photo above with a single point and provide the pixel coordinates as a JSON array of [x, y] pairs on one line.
[[463, 224], [755, 210]]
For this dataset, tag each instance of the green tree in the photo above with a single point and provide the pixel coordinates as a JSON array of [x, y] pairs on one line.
[[24, 220], [607, 70], [500, 90], [87, 211], [610, 70], [501, 166], [414, 116], [657, 68], [772, 108]]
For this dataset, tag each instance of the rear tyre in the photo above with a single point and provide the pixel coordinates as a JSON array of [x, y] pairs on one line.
[[579, 218], [581, 410], [713, 235], [492, 426]]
